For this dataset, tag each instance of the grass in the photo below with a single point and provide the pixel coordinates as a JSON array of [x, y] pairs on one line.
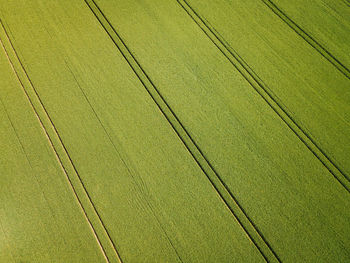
[[40, 218], [153, 198], [255, 153], [173, 155]]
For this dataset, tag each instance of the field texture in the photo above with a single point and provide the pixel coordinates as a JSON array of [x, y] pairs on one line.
[[174, 131]]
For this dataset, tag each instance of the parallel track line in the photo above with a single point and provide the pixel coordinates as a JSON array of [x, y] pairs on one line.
[[74, 180], [271, 99], [216, 181]]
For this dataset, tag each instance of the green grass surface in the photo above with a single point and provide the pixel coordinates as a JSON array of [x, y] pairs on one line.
[[40, 218], [155, 201], [173, 155], [273, 174]]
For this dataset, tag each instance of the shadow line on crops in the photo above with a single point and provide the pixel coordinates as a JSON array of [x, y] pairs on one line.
[[253, 79], [214, 178], [308, 38], [52, 145]]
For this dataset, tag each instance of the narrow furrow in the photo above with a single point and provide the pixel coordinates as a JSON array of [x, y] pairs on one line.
[[308, 38]]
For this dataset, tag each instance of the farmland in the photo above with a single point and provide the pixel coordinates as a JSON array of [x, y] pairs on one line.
[[174, 131]]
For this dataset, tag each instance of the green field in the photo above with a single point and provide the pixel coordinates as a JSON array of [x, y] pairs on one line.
[[174, 131]]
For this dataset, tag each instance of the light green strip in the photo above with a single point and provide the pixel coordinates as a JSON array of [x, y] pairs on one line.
[[82, 197]]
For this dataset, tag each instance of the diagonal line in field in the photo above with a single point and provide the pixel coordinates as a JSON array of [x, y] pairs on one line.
[[246, 71], [84, 200], [308, 38], [216, 181]]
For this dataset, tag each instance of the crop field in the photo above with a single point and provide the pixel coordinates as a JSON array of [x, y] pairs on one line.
[[174, 131]]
